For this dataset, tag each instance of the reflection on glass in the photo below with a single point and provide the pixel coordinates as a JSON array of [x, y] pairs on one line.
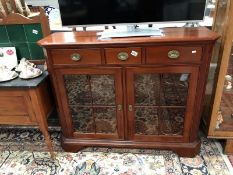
[[160, 102], [225, 114], [91, 100]]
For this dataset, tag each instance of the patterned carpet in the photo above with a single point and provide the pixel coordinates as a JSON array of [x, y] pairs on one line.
[[23, 152]]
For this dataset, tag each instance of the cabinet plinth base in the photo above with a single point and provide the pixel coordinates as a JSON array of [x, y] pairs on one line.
[[182, 149]]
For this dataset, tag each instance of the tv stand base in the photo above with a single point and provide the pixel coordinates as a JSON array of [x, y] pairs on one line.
[[182, 149], [131, 92], [131, 31], [192, 24]]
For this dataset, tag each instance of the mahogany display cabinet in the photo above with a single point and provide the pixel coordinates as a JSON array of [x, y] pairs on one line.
[[137, 92], [218, 110]]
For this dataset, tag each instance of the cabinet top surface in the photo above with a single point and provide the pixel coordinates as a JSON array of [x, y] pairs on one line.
[[90, 38]]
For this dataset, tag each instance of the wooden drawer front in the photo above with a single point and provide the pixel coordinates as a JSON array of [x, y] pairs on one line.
[[13, 105], [76, 56], [123, 55], [177, 54]]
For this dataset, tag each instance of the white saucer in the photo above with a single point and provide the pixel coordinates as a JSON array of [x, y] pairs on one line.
[[30, 77], [3, 79]]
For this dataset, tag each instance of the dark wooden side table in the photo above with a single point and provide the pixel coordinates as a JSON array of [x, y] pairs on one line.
[[27, 102]]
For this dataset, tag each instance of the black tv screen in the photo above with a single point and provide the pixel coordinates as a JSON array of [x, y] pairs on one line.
[[98, 12]]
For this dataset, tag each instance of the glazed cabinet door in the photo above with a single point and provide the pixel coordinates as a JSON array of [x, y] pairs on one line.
[[92, 102], [160, 102]]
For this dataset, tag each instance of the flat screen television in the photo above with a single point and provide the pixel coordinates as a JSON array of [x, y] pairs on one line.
[[108, 12]]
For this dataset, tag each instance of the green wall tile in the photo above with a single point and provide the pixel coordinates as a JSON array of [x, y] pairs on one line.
[[36, 51], [24, 38], [22, 50], [16, 33], [33, 32], [6, 45], [3, 35]]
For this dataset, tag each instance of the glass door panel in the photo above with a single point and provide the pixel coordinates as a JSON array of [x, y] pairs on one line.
[[93, 97], [161, 89], [160, 102], [92, 103], [225, 114], [146, 121]]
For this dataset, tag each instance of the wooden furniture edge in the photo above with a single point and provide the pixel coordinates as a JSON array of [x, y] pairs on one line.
[[182, 149], [41, 116], [222, 72]]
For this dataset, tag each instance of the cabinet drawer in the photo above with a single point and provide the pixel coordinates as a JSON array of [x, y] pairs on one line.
[[76, 56], [130, 55], [173, 54]]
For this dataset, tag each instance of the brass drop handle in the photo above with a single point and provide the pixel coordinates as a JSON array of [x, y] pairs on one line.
[[173, 54], [76, 57], [123, 56], [130, 108]]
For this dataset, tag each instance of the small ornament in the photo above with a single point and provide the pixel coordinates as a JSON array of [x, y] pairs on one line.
[[219, 119], [229, 85], [228, 78]]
